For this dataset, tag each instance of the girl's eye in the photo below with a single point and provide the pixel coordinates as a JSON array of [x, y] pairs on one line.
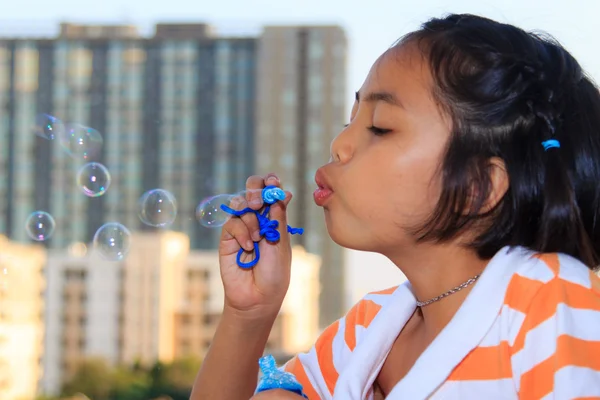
[[378, 131]]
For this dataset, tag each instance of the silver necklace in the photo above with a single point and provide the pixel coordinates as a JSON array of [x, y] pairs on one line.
[[449, 292]]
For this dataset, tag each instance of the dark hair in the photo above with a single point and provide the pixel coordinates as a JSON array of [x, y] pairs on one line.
[[507, 91]]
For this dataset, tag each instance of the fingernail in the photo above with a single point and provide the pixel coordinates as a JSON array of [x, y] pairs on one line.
[[255, 201], [249, 245], [273, 180]]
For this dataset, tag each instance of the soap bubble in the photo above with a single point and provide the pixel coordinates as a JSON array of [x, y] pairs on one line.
[[157, 207], [209, 212], [81, 142], [93, 179], [40, 226], [49, 127], [113, 241]]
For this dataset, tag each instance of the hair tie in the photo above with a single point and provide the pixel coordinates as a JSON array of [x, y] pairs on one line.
[[548, 144]]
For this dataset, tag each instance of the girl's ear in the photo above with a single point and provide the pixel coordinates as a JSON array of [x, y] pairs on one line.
[[493, 185]]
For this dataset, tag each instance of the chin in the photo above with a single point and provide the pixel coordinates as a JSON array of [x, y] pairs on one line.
[[347, 237]]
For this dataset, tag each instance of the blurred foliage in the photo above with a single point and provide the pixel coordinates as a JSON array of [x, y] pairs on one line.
[[95, 379]]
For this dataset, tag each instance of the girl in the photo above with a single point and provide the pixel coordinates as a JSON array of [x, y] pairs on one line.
[[472, 161]]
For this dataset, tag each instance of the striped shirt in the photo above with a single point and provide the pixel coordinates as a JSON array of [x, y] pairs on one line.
[[529, 329]]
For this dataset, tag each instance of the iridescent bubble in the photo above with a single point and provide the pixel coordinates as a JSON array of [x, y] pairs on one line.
[[113, 241], [81, 142], [209, 212], [49, 127], [93, 179], [157, 207], [241, 199], [40, 226]]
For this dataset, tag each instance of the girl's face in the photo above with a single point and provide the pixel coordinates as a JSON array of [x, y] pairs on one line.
[[383, 170]]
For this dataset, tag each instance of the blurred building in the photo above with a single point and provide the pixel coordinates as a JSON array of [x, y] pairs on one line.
[[176, 111], [295, 330], [184, 110], [301, 108], [21, 319], [161, 303]]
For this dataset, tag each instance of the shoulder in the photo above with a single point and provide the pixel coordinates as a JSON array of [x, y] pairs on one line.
[[547, 281], [345, 333], [319, 368], [556, 333]]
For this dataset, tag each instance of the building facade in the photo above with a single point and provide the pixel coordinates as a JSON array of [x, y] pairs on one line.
[[163, 302], [176, 111], [302, 107], [21, 319], [184, 110]]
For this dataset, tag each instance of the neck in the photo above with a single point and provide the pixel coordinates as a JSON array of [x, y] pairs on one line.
[[434, 269]]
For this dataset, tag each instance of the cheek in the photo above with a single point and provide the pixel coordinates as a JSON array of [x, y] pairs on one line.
[[416, 191]]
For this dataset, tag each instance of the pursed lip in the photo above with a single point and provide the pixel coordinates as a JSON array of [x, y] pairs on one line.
[[324, 190]]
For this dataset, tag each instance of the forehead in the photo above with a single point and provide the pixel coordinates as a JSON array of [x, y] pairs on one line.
[[402, 71]]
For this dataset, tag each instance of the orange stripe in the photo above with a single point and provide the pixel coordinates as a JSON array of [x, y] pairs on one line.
[[484, 363], [544, 306], [386, 291], [539, 381], [361, 314], [324, 349], [520, 292], [551, 260], [295, 367]]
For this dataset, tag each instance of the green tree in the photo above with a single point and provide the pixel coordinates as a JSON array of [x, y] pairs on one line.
[[130, 384], [175, 379], [93, 379]]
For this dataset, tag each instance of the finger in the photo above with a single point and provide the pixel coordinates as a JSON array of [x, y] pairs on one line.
[[236, 229], [254, 186], [272, 180], [249, 218], [278, 212]]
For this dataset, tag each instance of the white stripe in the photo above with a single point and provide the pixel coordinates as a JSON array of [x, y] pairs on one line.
[[505, 328], [360, 333], [315, 376], [381, 299], [574, 271], [537, 270], [514, 321], [571, 382], [578, 323], [494, 335], [540, 342], [500, 389], [341, 352]]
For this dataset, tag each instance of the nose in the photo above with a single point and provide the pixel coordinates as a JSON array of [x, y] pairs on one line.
[[342, 148]]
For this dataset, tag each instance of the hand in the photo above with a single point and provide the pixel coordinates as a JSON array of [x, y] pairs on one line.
[[277, 394], [257, 292]]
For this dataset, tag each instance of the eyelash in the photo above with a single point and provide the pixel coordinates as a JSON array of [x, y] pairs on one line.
[[378, 131], [375, 130]]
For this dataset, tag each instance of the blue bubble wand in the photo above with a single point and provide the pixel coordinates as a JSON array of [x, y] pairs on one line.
[[267, 227]]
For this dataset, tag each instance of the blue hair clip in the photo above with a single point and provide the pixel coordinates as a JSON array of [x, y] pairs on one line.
[[549, 144]]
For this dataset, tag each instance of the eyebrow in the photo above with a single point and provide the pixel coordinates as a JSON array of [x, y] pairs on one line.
[[386, 97]]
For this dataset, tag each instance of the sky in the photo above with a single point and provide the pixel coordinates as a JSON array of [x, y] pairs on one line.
[[371, 26]]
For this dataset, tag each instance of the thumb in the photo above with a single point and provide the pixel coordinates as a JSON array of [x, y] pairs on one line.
[[278, 212]]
